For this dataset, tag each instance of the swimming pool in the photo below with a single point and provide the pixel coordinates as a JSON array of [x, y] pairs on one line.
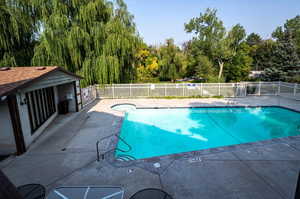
[[157, 132]]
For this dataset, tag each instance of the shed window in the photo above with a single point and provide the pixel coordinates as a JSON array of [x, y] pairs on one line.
[[41, 106]]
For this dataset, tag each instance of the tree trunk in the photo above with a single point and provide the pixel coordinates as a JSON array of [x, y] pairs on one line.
[[221, 65], [7, 189]]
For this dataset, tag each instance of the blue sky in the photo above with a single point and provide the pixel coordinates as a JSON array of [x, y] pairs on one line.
[[157, 20]]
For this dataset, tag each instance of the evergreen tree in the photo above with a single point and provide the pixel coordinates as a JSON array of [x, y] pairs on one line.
[[285, 61], [292, 28]]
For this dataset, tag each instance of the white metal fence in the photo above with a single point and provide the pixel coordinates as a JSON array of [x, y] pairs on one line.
[[243, 89], [88, 95]]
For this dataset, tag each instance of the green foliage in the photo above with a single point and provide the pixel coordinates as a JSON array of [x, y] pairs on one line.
[[291, 28], [253, 39], [284, 61], [98, 40], [17, 28], [210, 34], [172, 61], [239, 67], [263, 55], [204, 68], [215, 48], [94, 38], [274, 74], [147, 65]]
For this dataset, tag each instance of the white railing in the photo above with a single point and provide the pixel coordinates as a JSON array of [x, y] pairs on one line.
[[243, 89], [88, 95]]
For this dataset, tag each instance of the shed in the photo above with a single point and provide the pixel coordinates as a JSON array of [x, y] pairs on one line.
[[30, 99]]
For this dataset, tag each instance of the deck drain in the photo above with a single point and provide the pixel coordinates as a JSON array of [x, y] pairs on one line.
[[64, 149]]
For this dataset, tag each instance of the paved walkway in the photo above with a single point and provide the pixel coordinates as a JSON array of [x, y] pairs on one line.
[[65, 155]]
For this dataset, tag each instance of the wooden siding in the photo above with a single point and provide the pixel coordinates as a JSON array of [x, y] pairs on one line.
[[52, 79]]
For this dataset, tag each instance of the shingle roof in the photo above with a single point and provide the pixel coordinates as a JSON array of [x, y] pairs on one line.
[[17, 77]]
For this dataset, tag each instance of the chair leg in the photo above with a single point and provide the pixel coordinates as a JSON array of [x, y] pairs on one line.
[[297, 194]]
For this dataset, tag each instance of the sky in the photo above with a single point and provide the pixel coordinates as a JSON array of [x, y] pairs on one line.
[[158, 20]]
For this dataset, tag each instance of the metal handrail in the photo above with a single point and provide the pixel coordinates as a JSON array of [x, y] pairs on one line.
[[116, 149], [97, 147], [129, 147]]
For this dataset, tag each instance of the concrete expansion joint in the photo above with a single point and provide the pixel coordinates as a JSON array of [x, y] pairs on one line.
[[70, 173], [260, 177]]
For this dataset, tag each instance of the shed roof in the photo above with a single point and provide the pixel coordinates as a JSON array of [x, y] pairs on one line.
[[14, 78]]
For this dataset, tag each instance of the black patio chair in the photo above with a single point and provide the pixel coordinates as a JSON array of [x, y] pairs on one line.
[[151, 193], [29, 191], [297, 194]]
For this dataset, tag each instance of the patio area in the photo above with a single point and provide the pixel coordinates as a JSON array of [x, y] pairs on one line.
[[65, 155]]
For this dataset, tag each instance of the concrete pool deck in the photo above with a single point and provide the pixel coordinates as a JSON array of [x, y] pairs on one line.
[[65, 155]]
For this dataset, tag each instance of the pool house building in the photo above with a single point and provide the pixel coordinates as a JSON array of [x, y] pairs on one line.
[[30, 99]]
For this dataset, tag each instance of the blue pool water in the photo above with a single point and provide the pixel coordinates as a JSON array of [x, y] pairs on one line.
[[157, 132]]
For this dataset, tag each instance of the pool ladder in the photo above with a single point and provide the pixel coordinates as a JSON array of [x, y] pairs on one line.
[[120, 157]]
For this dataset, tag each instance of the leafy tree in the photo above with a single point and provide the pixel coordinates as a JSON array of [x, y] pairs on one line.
[[253, 39], [204, 68], [236, 36], [94, 38], [239, 67], [210, 33], [198, 65], [17, 28], [147, 68], [263, 54], [213, 40], [172, 61]]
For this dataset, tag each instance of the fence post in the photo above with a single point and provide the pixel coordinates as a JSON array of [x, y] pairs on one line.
[[295, 89], [259, 87], [149, 86], [182, 90], [165, 90], [219, 89], [279, 88], [245, 88], [130, 90], [235, 88], [113, 91], [201, 89]]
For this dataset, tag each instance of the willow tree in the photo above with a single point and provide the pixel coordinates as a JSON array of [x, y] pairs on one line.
[[17, 28], [94, 38]]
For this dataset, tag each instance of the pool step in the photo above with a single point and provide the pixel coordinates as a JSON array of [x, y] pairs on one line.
[[125, 158]]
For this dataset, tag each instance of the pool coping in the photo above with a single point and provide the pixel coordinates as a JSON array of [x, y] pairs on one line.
[[217, 106], [197, 153]]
